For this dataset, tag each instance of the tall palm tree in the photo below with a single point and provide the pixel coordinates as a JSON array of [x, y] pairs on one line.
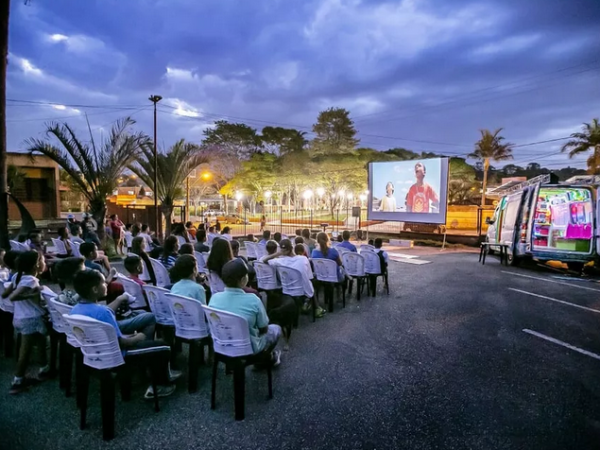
[[95, 170], [174, 166], [491, 147], [589, 139]]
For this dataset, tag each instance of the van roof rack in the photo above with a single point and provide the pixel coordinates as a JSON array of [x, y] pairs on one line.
[[583, 179], [515, 186]]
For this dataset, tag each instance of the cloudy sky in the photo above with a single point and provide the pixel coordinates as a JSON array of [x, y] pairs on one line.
[[419, 74]]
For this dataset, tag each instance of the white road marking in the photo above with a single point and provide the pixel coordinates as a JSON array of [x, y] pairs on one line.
[[402, 255], [555, 300], [549, 280], [417, 262], [564, 344]]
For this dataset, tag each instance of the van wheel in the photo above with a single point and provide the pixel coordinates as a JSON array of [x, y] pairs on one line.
[[575, 266], [513, 260]]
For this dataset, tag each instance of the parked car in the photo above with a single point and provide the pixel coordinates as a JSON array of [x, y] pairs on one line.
[[235, 218]]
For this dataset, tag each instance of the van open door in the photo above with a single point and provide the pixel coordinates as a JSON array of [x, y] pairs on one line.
[[597, 227]]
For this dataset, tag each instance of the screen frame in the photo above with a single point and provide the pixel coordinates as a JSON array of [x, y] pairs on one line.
[[438, 218]]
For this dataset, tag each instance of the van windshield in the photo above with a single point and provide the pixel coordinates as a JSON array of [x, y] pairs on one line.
[[563, 220]]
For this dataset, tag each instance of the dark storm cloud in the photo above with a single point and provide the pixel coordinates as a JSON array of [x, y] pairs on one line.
[[412, 69]]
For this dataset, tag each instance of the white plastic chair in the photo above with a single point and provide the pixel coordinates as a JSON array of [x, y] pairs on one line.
[[354, 264], [291, 281], [19, 246], [59, 246], [5, 304], [75, 249], [216, 284], [366, 247], [250, 249], [326, 272], [200, 262], [374, 270], [190, 327], [128, 239], [160, 272], [266, 277], [261, 250], [341, 250], [133, 289], [232, 346], [159, 304]]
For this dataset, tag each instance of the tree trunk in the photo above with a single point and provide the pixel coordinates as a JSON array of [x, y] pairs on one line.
[[486, 166], [167, 210], [98, 212], [4, 12]]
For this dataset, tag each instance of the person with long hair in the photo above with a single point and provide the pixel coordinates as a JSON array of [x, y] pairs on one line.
[[184, 274], [139, 246], [324, 250], [226, 234], [181, 233], [28, 318], [220, 254], [63, 235], [169, 254]]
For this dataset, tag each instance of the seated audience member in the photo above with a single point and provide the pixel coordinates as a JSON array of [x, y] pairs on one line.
[[226, 234], [184, 274], [277, 237], [191, 230], [378, 244], [90, 285], [63, 236], [200, 245], [218, 226], [286, 257], [251, 238], [65, 271], [169, 253], [339, 238], [91, 237], [134, 265], [271, 248], [145, 234], [77, 234], [300, 240], [326, 251], [90, 253], [181, 233], [308, 240], [346, 242], [235, 249], [138, 247], [300, 250], [266, 237], [35, 242], [370, 242], [211, 236], [298, 232], [264, 337], [186, 249], [220, 254], [2, 254]]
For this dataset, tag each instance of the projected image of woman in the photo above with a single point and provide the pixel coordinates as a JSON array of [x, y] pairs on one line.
[[388, 203]]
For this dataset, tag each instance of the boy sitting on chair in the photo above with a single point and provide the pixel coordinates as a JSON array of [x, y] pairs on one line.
[[264, 337]]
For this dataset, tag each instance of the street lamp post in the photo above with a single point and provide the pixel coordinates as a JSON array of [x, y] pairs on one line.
[[155, 99]]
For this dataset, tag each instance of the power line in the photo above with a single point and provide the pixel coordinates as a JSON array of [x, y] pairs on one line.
[[44, 119], [34, 102]]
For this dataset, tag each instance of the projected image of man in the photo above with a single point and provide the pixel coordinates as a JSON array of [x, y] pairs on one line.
[[421, 197], [388, 202]]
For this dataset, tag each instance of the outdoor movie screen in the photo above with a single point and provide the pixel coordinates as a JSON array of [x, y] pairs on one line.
[[409, 191]]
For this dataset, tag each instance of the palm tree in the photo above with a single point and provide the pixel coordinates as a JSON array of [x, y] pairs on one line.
[[588, 140], [94, 170], [173, 168], [490, 147]]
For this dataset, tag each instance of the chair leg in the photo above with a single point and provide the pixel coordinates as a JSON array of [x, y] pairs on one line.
[[107, 404], [82, 395], [213, 393], [193, 367], [239, 390], [358, 288]]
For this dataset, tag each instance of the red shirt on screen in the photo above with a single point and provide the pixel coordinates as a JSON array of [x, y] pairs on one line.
[[418, 198]]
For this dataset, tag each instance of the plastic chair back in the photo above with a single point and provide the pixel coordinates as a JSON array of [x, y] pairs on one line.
[[366, 247], [5, 304], [266, 276], [159, 304], [200, 262], [98, 342], [354, 264], [341, 250], [59, 323], [291, 281], [372, 262], [261, 250], [250, 249], [59, 246], [75, 249], [160, 272], [19, 246], [325, 270], [64, 309], [216, 284], [188, 317], [230, 332], [133, 289]]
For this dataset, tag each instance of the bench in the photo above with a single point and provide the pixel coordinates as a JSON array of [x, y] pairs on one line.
[[485, 246]]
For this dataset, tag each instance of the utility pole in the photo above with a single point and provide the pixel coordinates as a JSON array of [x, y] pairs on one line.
[[157, 228], [4, 12]]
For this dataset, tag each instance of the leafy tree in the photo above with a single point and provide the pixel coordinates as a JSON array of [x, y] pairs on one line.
[[234, 138], [173, 168], [462, 183], [588, 139], [490, 147], [335, 133], [94, 169], [16, 177], [283, 140]]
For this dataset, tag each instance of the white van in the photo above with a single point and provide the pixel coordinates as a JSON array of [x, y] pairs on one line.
[[549, 222]]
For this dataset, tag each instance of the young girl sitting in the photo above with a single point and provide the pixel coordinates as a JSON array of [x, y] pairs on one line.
[[183, 274], [65, 272], [24, 292]]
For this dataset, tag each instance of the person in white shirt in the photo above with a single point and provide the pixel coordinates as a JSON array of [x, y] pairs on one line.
[[388, 203], [211, 236], [271, 247], [146, 235], [226, 234], [287, 258]]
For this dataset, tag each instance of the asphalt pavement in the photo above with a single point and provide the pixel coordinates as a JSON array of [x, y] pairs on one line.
[[441, 363]]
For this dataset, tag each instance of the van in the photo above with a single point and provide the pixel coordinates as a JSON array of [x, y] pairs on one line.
[[549, 222]]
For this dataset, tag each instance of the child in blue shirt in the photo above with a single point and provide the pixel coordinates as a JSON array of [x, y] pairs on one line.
[[184, 274]]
